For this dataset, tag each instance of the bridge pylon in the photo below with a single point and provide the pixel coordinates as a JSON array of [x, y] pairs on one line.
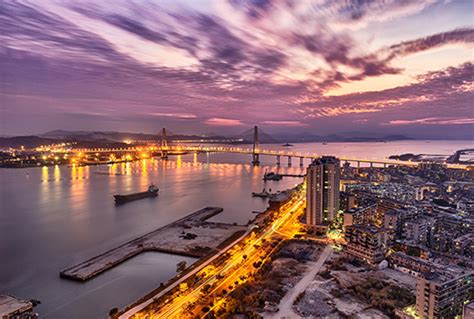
[[256, 146], [164, 144]]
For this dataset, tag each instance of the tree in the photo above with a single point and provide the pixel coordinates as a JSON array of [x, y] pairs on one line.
[[181, 266], [113, 312]]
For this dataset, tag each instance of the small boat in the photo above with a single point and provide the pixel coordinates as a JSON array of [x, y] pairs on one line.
[[262, 194], [151, 192], [287, 145], [272, 176], [324, 143]]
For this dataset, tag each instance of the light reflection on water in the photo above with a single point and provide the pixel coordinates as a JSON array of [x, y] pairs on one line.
[[59, 216]]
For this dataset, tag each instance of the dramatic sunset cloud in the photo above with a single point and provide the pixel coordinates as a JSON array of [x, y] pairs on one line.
[[223, 122], [434, 121], [283, 123], [201, 66], [177, 115]]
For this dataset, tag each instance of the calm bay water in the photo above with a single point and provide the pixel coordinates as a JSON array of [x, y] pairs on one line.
[[54, 217]]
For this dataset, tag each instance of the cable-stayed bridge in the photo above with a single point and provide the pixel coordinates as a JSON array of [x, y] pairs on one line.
[[164, 149]]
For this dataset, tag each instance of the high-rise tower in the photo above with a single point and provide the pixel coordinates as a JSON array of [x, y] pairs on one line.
[[322, 191]]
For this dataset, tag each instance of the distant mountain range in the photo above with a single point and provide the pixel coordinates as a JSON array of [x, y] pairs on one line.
[[26, 141], [122, 136], [93, 136], [35, 141], [341, 137], [99, 138]]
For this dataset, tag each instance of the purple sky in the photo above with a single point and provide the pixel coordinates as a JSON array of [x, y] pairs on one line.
[[322, 66]]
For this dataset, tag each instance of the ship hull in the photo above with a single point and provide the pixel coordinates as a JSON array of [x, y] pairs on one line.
[[120, 199]]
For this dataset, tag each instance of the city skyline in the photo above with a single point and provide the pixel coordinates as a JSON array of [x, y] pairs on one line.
[[312, 66], [265, 159]]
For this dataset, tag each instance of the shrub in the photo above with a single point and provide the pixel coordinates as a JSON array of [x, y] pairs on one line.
[[326, 274], [113, 312]]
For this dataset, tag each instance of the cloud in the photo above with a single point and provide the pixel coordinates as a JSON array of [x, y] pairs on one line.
[[434, 90], [337, 50], [358, 14], [434, 121], [32, 29], [465, 36], [269, 62], [284, 123], [337, 13], [176, 115], [223, 122]]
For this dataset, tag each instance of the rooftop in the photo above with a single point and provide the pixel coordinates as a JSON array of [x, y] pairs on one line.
[[392, 212], [438, 273], [367, 228], [414, 259], [448, 273], [325, 160]]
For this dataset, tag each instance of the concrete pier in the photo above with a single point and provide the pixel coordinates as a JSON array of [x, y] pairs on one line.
[[190, 236], [12, 307]]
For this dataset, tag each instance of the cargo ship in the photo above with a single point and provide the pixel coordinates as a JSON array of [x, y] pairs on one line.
[[151, 192]]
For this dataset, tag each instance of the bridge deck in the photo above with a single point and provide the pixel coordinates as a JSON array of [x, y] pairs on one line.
[[250, 151]]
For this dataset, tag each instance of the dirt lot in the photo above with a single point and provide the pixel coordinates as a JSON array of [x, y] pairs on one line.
[[347, 288]]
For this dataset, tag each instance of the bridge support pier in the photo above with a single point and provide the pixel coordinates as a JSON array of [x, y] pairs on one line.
[[301, 161], [256, 144], [384, 165], [255, 159], [289, 160], [164, 145], [358, 164], [371, 164], [278, 160]]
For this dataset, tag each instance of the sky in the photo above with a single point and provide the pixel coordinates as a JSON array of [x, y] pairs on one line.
[[201, 66]]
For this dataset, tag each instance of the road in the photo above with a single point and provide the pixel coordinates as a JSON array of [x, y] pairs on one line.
[[144, 304], [236, 269], [285, 307]]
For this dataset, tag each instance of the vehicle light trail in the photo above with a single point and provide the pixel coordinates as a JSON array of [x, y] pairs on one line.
[[236, 266]]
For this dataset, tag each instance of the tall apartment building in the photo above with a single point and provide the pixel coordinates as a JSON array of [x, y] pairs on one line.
[[442, 293], [366, 242], [322, 191]]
